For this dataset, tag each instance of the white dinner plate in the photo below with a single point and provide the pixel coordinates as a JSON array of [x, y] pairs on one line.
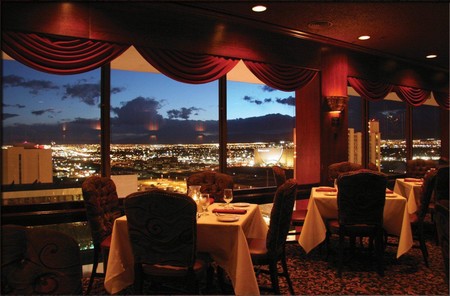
[[241, 204], [391, 195], [330, 193], [325, 187], [227, 218]]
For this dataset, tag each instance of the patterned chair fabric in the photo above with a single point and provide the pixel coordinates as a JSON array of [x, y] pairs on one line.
[[102, 208], [211, 182], [271, 250], [38, 261], [335, 169], [361, 198], [417, 168], [279, 175], [162, 228], [441, 186]]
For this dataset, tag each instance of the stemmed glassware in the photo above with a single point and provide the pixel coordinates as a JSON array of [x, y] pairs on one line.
[[228, 196], [204, 202]]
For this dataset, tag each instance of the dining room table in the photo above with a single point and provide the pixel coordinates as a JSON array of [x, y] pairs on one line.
[[323, 205], [411, 189], [222, 235]]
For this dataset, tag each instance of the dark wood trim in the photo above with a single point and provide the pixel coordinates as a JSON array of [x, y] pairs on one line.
[[105, 120]]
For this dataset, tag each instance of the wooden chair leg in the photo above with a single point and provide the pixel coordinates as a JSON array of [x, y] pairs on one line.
[[94, 270], [286, 274]]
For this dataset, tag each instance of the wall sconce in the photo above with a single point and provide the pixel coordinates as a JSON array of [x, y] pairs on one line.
[[336, 104]]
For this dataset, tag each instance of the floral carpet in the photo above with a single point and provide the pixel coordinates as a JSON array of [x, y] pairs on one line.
[[314, 274]]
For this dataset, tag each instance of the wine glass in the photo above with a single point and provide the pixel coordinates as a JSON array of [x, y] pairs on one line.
[[228, 196], [204, 202]]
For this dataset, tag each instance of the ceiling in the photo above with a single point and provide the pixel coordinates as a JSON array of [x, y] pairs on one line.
[[408, 30]]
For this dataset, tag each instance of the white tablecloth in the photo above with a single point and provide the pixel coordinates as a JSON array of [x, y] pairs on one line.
[[323, 205], [226, 242], [412, 191]]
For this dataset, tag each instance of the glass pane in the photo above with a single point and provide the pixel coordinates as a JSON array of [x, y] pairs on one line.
[[426, 132], [355, 129], [50, 133], [260, 124], [162, 130], [387, 138]]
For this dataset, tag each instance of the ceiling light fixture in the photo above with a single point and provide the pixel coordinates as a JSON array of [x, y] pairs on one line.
[[364, 37], [259, 8], [431, 56]]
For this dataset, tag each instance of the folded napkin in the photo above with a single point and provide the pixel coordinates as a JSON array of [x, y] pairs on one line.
[[326, 190], [230, 211], [412, 180], [389, 191]]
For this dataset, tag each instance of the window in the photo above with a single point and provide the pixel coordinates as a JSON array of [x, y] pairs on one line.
[[260, 125], [426, 131], [387, 137], [162, 130]]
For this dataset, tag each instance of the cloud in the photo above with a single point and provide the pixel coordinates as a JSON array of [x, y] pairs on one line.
[[40, 112], [9, 115], [14, 106], [287, 101], [34, 85], [267, 88], [183, 113], [138, 111], [88, 93], [252, 100]]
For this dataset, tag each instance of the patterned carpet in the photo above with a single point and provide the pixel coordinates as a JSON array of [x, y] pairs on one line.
[[312, 274]]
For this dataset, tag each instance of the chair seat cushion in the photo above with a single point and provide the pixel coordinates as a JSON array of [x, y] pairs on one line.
[[172, 270], [356, 229], [258, 250], [299, 215], [106, 243]]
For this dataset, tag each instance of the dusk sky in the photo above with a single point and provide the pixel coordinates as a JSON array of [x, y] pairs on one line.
[[36, 103]]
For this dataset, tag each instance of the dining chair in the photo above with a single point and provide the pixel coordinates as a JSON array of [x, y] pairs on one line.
[[442, 181], [162, 228], [271, 250], [299, 214], [361, 197], [39, 261], [102, 208], [335, 169], [212, 183]]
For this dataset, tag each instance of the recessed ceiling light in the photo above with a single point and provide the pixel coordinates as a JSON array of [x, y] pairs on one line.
[[259, 8], [431, 56], [364, 37]]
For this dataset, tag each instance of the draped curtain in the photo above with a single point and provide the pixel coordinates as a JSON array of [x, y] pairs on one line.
[[375, 91], [286, 78], [188, 67], [370, 90], [59, 55]]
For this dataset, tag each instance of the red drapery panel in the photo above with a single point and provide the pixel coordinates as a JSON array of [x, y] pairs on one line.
[[188, 67], [370, 90], [59, 55], [411, 95], [286, 78], [443, 99]]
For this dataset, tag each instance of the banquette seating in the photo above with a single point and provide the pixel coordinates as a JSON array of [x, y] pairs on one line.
[[416, 168], [39, 261]]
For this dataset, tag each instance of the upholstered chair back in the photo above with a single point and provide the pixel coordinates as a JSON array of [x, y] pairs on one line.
[[441, 186], [279, 175], [39, 261], [335, 169], [280, 218], [211, 182], [361, 197], [162, 227]]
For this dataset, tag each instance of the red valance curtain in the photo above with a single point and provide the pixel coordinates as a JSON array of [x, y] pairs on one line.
[[286, 78], [370, 90], [443, 99], [59, 55], [188, 67], [411, 95]]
